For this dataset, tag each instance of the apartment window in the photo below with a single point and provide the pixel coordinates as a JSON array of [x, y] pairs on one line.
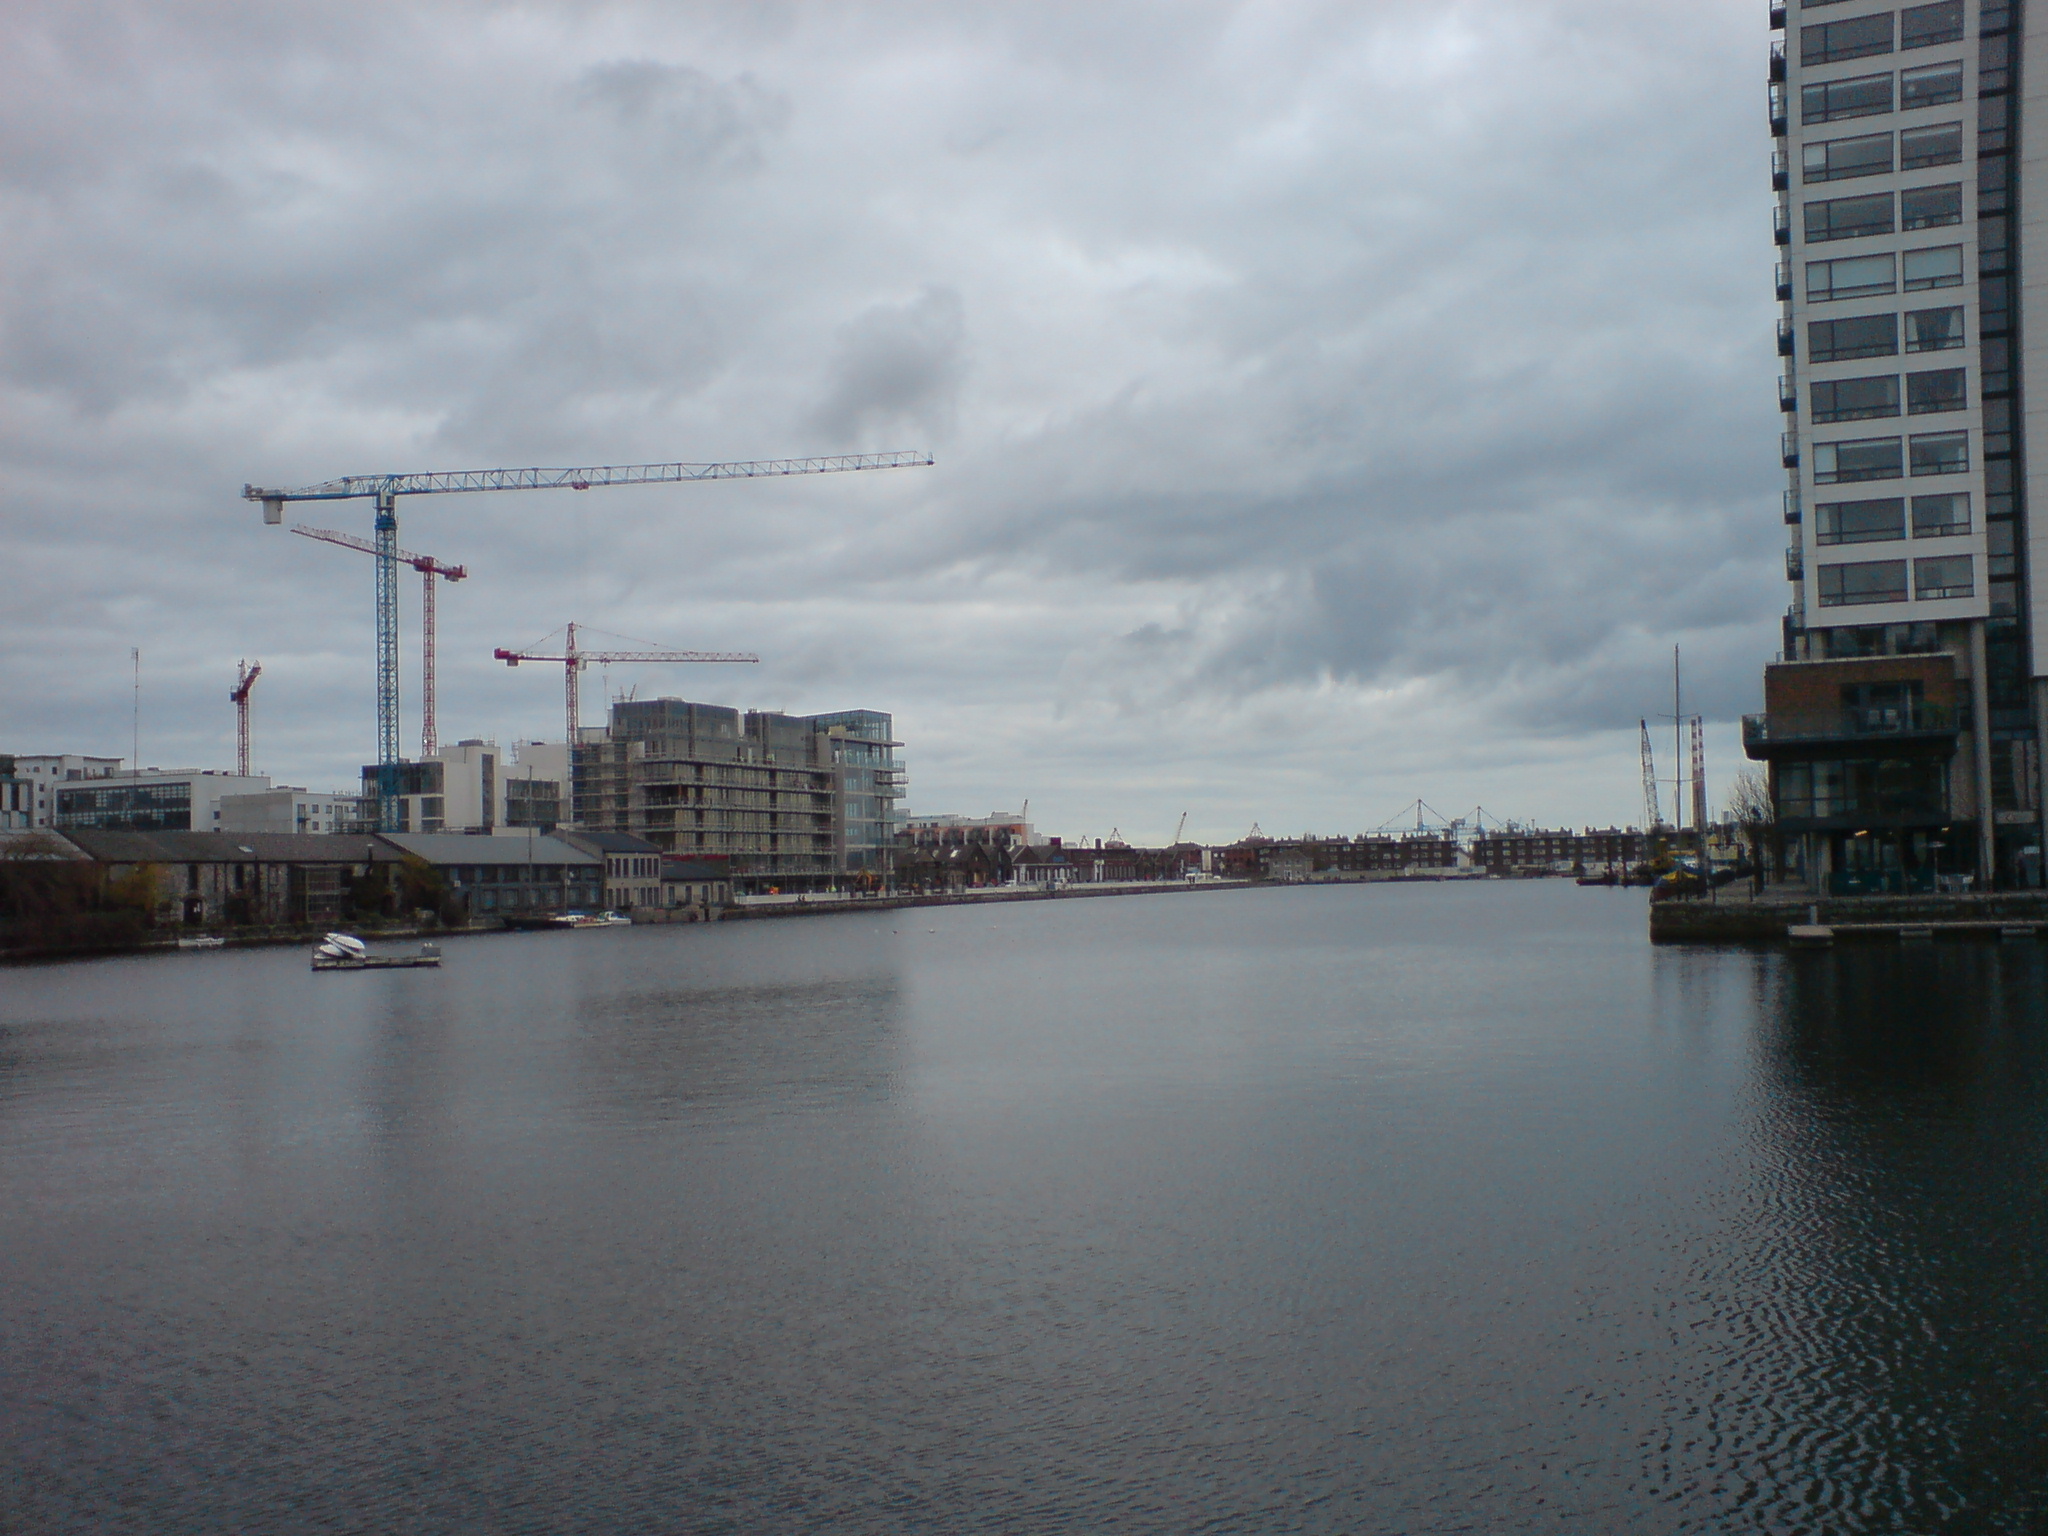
[[1857, 38], [1869, 458], [1840, 159], [1862, 336], [1932, 85], [1860, 522], [1850, 277], [1848, 218], [1940, 517], [1940, 266], [1864, 96], [1855, 399], [1934, 330], [1929, 393], [1936, 576], [1869, 581], [1940, 144], [1931, 207], [1941, 453], [1922, 26]]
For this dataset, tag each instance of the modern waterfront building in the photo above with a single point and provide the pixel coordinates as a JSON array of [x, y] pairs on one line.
[[476, 787], [290, 809], [148, 800], [1902, 724], [797, 801], [42, 773]]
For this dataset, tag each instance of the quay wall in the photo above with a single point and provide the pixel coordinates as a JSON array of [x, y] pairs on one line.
[[1764, 922]]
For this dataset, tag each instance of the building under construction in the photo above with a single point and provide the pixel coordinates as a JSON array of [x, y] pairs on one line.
[[798, 801]]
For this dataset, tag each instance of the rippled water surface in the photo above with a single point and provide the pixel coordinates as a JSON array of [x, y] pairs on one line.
[[1402, 1209]]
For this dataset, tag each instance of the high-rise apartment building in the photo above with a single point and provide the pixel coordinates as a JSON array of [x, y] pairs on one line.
[[1901, 725], [796, 800]]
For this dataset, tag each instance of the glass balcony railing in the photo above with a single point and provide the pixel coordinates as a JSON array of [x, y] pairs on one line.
[[1792, 504], [1784, 277], [1849, 723], [1788, 446], [1795, 563]]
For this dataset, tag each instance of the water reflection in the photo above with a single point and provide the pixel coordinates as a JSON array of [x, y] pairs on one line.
[[1862, 1347], [1320, 1210]]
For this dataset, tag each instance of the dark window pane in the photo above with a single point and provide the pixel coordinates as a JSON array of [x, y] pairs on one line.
[[1860, 522], [1922, 26], [1863, 336], [1860, 97], [1859, 37], [1840, 159], [1927, 393], [1850, 277], [1869, 458], [1873, 581], [1855, 399], [1934, 330], [1941, 453], [1936, 576], [1931, 86], [1941, 144], [1937, 517], [1930, 207], [1847, 218]]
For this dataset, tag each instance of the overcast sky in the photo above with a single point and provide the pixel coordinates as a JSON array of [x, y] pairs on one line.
[[1334, 404]]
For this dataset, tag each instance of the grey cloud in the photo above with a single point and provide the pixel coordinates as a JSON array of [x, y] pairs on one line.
[[1356, 377], [897, 368]]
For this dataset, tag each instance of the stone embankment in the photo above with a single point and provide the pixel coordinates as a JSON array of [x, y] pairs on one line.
[[1768, 921]]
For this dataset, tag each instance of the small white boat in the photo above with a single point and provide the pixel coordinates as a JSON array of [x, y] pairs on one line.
[[346, 952], [203, 941]]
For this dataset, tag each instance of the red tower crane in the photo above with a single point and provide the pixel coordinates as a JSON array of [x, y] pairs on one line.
[[574, 661], [429, 568], [245, 680]]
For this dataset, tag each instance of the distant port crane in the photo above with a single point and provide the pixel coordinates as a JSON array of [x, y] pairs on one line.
[[384, 491], [574, 661], [245, 683], [429, 568]]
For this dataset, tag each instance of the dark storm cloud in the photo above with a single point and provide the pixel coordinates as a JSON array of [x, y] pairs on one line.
[[1376, 390]]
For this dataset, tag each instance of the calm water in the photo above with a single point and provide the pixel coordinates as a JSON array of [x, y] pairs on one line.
[[1413, 1209]]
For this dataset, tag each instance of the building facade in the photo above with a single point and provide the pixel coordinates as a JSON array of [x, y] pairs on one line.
[[477, 787], [152, 800], [1901, 726], [289, 809], [43, 773], [793, 801]]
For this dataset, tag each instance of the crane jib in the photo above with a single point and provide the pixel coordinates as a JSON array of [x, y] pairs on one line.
[[582, 478]]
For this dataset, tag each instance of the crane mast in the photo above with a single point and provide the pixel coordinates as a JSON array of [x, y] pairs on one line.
[[429, 568], [384, 490], [245, 682]]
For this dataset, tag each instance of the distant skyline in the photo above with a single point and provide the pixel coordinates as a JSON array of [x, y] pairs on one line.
[[1333, 403]]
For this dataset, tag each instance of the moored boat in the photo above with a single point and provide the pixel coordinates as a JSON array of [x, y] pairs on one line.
[[346, 952]]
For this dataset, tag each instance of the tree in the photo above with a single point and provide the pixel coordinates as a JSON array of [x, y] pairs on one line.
[[1755, 816]]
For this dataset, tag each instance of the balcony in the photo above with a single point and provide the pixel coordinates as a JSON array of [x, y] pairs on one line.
[[1777, 18], [1781, 224], [1785, 335], [1779, 111], [1788, 393], [1778, 60], [1848, 724], [1795, 563], [1784, 275], [1792, 504], [1788, 447], [1781, 170]]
